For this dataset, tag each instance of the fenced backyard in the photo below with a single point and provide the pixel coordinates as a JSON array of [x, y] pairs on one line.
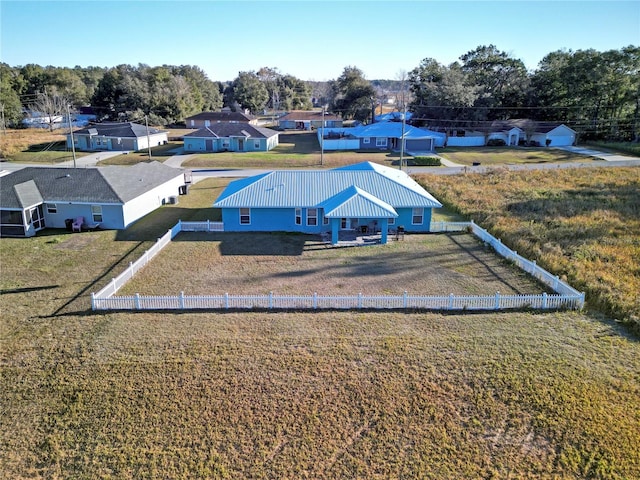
[[564, 296]]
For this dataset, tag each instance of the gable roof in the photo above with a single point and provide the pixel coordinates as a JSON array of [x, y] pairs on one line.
[[308, 115], [224, 130], [387, 130], [526, 124], [385, 187], [114, 184], [222, 117], [118, 129], [354, 202]]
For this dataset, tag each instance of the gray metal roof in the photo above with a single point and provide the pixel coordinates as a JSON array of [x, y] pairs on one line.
[[118, 130], [311, 188], [225, 130], [113, 184]]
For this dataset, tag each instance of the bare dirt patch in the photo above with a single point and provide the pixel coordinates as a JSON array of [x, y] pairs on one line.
[[258, 263]]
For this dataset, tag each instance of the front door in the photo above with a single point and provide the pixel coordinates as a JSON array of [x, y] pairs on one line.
[[241, 145]]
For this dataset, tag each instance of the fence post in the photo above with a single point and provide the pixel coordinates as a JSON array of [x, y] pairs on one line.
[[404, 299], [93, 301], [359, 300], [137, 301], [113, 284], [544, 300], [208, 225], [182, 300], [451, 297], [315, 300], [226, 301], [555, 283], [497, 300], [179, 224], [581, 301], [270, 300]]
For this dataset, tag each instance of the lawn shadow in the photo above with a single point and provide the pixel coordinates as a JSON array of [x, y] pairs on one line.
[[252, 243]]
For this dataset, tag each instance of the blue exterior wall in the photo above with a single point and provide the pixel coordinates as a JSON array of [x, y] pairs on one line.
[[112, 217], [196, 144], [283, 220]]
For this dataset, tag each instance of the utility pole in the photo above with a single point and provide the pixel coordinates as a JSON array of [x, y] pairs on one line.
[[404, 116], [322, 139], [73, 146], [146, 123]]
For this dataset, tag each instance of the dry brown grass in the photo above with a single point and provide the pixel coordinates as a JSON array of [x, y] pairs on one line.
[[318, 395], [14, 141], [257, 263], [583, 224]]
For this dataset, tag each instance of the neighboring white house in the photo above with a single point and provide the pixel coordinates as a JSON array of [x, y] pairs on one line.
[[514, 132], [127, 136], [113, 197]]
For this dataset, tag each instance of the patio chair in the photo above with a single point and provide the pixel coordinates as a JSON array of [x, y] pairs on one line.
[[76, 226]]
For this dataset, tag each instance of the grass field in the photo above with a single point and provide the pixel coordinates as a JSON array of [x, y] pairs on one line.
[[35, 145], [301, 265], [583, 224], [509, 155], [312, 394]]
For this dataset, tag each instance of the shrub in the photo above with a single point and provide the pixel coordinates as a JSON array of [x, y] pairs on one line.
[[427, 161], [496, 142]]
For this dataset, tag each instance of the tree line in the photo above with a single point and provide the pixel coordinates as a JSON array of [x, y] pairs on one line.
[[596, 93]]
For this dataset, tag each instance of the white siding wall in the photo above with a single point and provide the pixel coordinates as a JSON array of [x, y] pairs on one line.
[[148, 202]]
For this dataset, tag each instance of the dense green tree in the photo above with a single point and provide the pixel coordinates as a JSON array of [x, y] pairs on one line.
[[501, 79], [442, 95], [10, 106], [249, 92], [354, 95]]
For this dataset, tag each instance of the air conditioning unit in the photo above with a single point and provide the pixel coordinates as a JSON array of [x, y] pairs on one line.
[[173, 200]]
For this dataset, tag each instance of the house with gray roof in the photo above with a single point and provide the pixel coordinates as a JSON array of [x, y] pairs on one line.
[[113, 197], [206, 119], [231, 137], [118, 136], [308, 120], [366, 194]]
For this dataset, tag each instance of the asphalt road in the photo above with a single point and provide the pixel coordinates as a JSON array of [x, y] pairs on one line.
[[600, 159]]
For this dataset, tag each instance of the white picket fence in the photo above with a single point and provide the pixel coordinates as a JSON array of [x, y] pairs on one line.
[[566, 297]]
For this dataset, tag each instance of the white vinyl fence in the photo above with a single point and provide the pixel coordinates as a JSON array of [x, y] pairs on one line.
[[565, 296]]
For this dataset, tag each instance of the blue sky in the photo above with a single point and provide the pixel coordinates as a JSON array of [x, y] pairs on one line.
[[312, 40]]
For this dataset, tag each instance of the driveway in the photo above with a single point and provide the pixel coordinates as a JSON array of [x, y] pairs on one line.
[[608, 157]]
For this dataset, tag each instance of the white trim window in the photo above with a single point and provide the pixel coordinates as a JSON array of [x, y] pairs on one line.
[[381, 142], [366, 140], [298, 215], [51, 208], [225, 143], [256, 144], [417, 216], [245, 216], [96, 213], [325, 220], [392, 221], [312, 217]]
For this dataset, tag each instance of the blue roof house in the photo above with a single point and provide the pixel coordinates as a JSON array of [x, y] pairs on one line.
[[380, 136], [319, 201]]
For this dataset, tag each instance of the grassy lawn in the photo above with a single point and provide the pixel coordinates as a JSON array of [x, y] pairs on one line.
[[300, 265], [509, 155], [295, 150], [305, 394], [159, 153], [583, 224], [35, 145], [624, 148]]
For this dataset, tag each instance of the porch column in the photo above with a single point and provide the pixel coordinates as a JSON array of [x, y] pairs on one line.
[[384, 227], [335, 228]]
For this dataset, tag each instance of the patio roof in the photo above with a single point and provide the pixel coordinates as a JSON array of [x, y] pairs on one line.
[[354, 202]]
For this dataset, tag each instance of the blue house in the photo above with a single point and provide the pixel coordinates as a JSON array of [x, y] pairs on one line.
[[364, 195], [231, 137], [381, 136]]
